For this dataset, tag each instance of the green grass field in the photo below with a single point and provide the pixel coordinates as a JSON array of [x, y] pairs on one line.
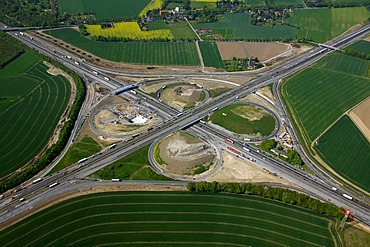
[[295, 3], [82, 148], [102, 9], [31, 104], [347, 151], [134, 166], [181, 30], [238, 124], [211, 55], [171, 219], [151, 53], [321, 25], [239, 25], [319, 95]]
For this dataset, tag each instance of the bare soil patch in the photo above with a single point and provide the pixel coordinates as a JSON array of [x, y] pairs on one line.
[[361, 117], [181, 96], [237, 170], [123, 119], [367, 38], [258, 100], [183, 154], [56, 71], [262, 50], [266, 91], [207, 84]]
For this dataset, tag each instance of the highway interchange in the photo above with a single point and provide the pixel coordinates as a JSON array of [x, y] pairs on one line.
[[319, 185]]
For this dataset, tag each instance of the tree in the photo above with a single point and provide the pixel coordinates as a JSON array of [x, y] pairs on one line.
[[268, 144]]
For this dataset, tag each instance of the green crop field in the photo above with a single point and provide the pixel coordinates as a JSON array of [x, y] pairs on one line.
[[103, 8], [80, 149], [347, 151], [360, 49], [31, 104], [344, 64], [239, 25], [151, 53], [319, 95], [238, 119], [171, 219], [321, 25], [361, 46], [211, 55], [134, 166]]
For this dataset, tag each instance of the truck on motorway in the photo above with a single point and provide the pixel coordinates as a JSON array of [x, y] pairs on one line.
[[229, 141], [215, 109], [135, 135], [116, 180], [347, 196], [53, 185], [201, 121], [106, 78], [95, 73], [77, 63], [247, 149], [334, 188], [36, 180], [82, 160], [233, 150], [112, 146]]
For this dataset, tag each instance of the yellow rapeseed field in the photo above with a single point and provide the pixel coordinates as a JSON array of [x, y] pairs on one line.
[[154, 4], [129, 30]]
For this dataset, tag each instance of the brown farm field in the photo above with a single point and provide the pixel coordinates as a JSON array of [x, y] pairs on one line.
[[361, 117], [262, 50]]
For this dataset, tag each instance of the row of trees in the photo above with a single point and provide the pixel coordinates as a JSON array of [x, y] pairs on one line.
[[54, 150], [275, 193], [338, 4], [29, 12], [8, 50], [356, 53]]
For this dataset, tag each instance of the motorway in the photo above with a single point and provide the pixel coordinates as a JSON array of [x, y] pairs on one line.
[[318, 185]]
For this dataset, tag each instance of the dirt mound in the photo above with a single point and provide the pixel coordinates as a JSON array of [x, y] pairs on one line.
[[183, 154]]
